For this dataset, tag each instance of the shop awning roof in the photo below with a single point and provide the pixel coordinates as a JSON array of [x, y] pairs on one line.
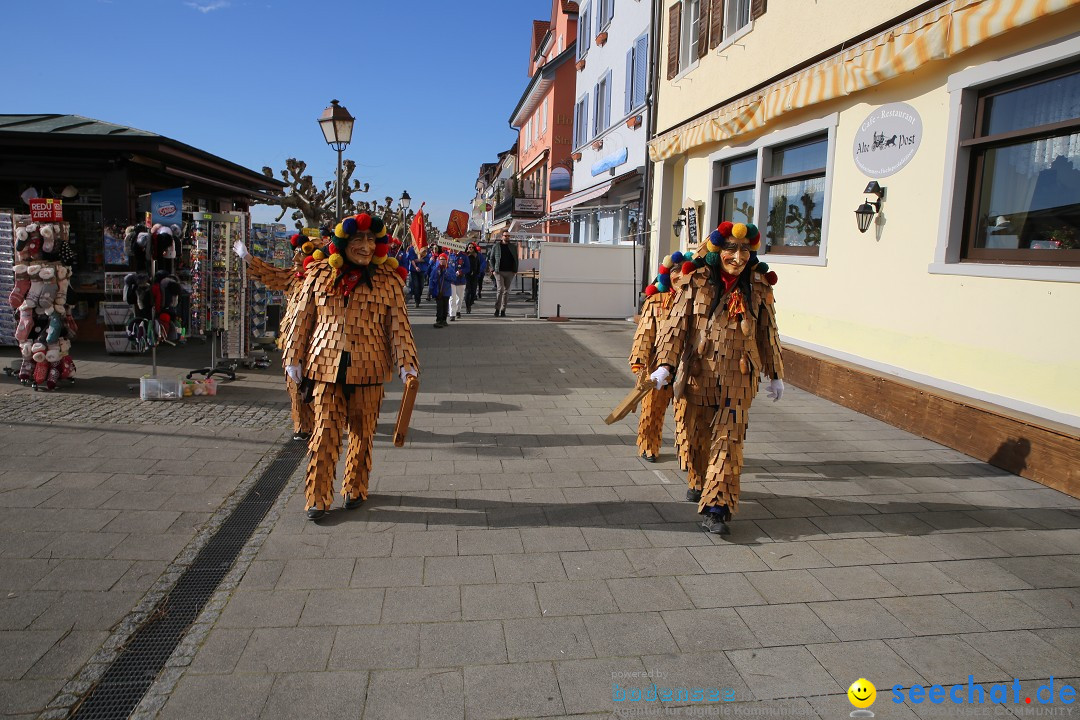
[[76, 132], [940, 33], [591, 193]]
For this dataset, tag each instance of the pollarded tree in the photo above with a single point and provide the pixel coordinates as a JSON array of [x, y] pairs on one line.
[[311, 205]]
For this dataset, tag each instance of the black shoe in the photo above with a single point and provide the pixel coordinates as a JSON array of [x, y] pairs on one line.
[[496, 313], [453, 318], [315, 513], [693, 495], [301, 436], [351, 503], [648, 458], [714, 523], [439, 325], [468, 311], [417, 306], [503, 314]]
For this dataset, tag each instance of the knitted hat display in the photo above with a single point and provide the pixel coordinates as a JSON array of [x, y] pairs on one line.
[[708, 254]]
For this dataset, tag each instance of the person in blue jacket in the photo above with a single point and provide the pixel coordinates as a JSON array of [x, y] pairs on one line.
[[440, 283], [460, 267], [477, 267], [407, 258]]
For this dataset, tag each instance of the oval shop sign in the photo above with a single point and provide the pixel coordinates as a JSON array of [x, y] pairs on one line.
[[887, 140]]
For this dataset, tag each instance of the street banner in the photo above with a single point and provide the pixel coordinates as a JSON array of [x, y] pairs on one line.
[[165, 206], [46, 210], [458, 224], [418, 230]]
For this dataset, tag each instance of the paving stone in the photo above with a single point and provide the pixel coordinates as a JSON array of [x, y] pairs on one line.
[[596, 564], [535, 691], [851, 583], [849, 661], [315, 573], [663, 561], [325, 694], [946, 659], [978, 575], [375, 647], [930, 615], [727, 559], [707, 630], [441, 542], [231, 696], [462, 643], [622, 634], [614, 538], [496, 602], [859, 620], [83, 574], [999, 610], [1042, 572], [586, 685], [421, 604], [790, 556], [803, 675], [575, 597], [909, 549], [221, 650], [23, 648], [536, 567], [432, 694], [720, 590], [556, 638], [86, 610], [536, 540], [790, 529], [789, 586], [388, 572], [263, 608], [785, 624], [286, 650], [1061, 605], [24, 699], [342, 606], [649, 593], [489, 542], [445, 570], [919, 578], [711, 673]]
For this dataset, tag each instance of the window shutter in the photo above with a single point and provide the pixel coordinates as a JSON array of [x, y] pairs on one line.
[[716, 22], [674, 30], [757, 9], [641, 70], [703, 28], [607, 100], [629, 95], [610, 10], [596, 109]]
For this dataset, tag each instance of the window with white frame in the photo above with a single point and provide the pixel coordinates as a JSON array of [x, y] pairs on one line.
[[602, 105], [736, 16], [604, 11], [584, 34], [637, 74], [535, 129], [543, 116], [735, 191], [795, 180], [691, 29], [526, 134], [1023, 187], [581, 121]]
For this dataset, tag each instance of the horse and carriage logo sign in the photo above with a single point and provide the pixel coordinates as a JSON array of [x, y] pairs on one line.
[[887, 140]]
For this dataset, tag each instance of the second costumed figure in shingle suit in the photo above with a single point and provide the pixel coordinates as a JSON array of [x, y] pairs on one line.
[[654, 406], [289, 281], [718, 337], [350, 334]]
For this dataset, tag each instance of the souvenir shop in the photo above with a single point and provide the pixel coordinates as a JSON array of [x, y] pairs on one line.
[[75, 203]]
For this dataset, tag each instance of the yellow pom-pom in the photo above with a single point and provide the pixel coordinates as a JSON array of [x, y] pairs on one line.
[[336, 261], [738, 231], [318, 255], [666, 262], [379, 260], [757, 245], [391, 262], [710, 247], [381, 233], [307, 247], [339, 232]]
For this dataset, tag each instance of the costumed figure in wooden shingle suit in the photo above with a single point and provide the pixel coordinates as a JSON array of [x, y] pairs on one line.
[[657, 304], [289, 281], [349, 335], [717, 339]]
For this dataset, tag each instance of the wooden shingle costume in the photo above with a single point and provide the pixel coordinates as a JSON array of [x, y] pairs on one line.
[[349, 335], [643, 355], [719, 336], [290, 281]]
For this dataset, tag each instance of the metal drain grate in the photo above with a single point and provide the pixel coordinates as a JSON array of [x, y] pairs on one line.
[[134, 670]]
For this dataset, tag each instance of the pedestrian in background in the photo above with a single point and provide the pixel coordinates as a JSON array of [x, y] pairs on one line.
[[503, 266], [440, 286], [459, 276], [483, 273], [477, 266], [418, 274]]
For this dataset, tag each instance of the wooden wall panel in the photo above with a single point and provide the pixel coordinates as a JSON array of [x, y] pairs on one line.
[[1031, 447]]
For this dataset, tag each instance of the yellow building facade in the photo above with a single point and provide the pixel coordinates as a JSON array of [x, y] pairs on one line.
[[966, 112]]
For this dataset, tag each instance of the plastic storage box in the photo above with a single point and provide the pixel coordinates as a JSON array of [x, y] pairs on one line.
[[155, 388]]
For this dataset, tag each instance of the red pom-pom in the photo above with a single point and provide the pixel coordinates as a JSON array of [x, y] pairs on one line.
[[381, 249], [688, 267], [725, 228], [331, 249], [770, 277], [363, 222], [164, 318], [307, 261], [663, 270], [650, 291], [402, 272], [296, 240]]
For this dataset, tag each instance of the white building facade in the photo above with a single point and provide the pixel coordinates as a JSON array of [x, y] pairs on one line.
[[610, 123]]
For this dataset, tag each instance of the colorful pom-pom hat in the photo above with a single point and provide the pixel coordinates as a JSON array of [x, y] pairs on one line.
[[347, 229], [708, 253]]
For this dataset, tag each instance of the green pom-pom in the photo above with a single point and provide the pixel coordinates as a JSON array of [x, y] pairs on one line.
[[688, 256], [762, 267], [751, 231], [712, 258]]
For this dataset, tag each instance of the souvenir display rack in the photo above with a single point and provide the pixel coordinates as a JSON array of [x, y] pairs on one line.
[[218, 281], [7, 275]]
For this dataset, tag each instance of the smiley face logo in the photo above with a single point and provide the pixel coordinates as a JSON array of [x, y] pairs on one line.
[[862, 693]]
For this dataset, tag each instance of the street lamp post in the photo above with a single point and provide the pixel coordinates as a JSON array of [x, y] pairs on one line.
[[337, 127]]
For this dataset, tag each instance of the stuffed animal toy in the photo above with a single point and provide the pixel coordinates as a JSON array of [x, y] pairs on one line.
[[52, 357], [26, 369], [22, 286], [28, 242], [67, 365]]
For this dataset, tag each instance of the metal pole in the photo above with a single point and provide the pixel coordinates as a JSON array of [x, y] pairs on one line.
[[337, 214]]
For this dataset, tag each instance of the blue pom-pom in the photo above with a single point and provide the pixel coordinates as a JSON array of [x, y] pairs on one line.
[[349, 225], [677, 257], [716, 238], [661, 286], [688, 256]]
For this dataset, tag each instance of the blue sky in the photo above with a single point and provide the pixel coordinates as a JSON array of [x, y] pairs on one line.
[[431, 82]]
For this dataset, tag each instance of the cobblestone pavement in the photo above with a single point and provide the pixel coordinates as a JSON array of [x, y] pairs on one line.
[[517, 560]]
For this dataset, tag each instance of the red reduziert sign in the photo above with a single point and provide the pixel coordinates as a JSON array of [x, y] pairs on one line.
[[46, 210]]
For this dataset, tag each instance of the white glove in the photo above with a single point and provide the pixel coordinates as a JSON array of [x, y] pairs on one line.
[[293, 371], [241, 249], [776, 389], [407, 372], [662, 376]]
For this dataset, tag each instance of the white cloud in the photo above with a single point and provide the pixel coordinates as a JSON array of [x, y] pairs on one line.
[[210, 6]]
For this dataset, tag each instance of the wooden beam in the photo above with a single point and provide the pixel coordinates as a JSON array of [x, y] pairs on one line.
[[1034, 448]]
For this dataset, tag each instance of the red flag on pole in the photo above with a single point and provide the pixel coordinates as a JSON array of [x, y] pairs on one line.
[[418, 230]]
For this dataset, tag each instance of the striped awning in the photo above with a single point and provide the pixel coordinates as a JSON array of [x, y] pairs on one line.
[[937, 34]]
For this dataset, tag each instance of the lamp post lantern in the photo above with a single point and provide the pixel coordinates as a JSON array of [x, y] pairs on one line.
[[337, 128]]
